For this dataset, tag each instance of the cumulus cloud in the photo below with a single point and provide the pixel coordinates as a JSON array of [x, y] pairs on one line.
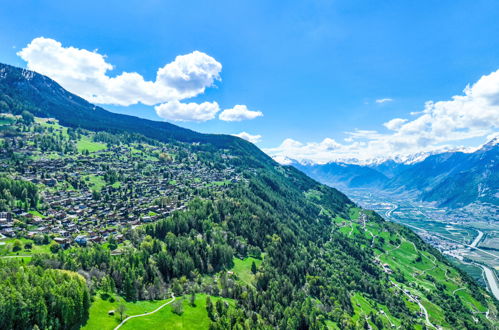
[[249, 137], [86, 73], [394, 124], [238, 113], [175, 110], [439, 126], [385, 100]]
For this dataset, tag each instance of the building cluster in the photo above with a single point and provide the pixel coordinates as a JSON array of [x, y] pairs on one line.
[[86, 197]]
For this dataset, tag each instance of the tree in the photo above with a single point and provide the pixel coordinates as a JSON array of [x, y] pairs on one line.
[[253, 267], [28, 117], [54, 247], [17, 246], [192, 299], [178, 307], [121, 310], [209, 308]]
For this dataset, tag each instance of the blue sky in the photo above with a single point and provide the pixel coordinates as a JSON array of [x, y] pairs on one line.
[[313, 68]]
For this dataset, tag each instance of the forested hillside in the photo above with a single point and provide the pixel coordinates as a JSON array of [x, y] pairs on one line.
[[137, 218]]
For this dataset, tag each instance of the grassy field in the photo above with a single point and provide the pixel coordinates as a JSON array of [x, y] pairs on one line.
[[218, 183], [418, 268], [85, 143], [95, 182], [192, 318], [6, 249], [242, 268], [99, 317]]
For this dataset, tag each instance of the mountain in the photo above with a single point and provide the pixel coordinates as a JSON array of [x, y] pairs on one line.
[[389, 168], [341, 175], [120, 215], [454, 179], [22, 89], [451, 179]]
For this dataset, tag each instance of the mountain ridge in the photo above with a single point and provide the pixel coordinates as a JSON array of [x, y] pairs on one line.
[[438, 178], [23, 89]]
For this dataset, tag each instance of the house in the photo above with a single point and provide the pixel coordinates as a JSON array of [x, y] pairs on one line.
[[81, 240], [5, 217], [61, 240]]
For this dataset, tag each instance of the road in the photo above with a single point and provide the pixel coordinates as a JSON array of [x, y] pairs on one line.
[[16, 257], [478, 238], [145, 314], [389, 212], [421, 306], [491, 279]]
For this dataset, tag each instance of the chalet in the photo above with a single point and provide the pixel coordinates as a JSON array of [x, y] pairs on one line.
[[61, 240], [5, 217], [81, 240]]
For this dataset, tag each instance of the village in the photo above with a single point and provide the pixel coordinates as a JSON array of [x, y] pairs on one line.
[[99, 190]]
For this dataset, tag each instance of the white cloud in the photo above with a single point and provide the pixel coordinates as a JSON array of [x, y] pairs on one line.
[[86, 73], [175, 110], [238, 113], [439, 126], [385, 100], [394, 124], [249, 137]]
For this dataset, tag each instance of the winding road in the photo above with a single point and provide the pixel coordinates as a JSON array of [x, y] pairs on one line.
[[421, 306], [145, 314], [389, 212]]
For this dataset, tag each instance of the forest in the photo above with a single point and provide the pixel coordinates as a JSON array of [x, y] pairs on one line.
[[38, 298]]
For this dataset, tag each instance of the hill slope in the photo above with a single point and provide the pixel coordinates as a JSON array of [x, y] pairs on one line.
[[22, 89]]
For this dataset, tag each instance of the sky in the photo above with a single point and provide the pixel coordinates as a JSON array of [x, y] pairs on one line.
[[317, 80]]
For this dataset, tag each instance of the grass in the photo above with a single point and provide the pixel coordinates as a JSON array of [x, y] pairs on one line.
[[242, 268], [96, 182], [6, 121], [219, 183], [363, 307], [85, 143], [100, 319], [192, 318], [313, 195], [403, 259], [6, 249], [36, 214]]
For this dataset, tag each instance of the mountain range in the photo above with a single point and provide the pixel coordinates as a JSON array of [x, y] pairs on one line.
[[451, 179]]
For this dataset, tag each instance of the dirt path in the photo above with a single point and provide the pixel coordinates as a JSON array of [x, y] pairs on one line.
[[145, 314]]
